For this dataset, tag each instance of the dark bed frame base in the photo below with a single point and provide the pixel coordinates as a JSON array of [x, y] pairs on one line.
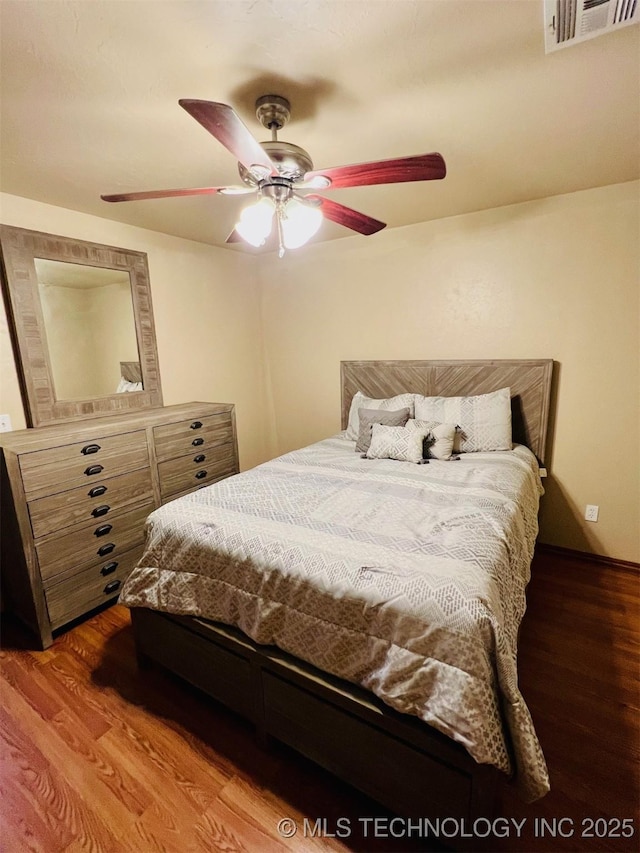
[[402, 763]]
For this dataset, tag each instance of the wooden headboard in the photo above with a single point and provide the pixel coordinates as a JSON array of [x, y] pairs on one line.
[[131, 371], [528, 379]]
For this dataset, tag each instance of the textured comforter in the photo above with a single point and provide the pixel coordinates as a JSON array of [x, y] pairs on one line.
[[406, 579]]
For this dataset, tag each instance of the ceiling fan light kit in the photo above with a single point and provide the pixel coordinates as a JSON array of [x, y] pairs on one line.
[[297, 223], [280, 172]]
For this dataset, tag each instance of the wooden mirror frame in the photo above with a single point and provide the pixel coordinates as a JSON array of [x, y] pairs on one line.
[[20, 248]]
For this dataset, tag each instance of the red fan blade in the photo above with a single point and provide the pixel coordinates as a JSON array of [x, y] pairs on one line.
[[348, 217], [424, 167], [161, 194], [222, 122]]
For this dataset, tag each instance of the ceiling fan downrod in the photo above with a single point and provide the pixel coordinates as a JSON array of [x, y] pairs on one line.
[[273, 112]]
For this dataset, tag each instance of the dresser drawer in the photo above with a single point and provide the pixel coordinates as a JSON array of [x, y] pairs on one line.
[[96, 502], [185, 473], [87, 589], [57, 469], [92, 543], [182, 437]]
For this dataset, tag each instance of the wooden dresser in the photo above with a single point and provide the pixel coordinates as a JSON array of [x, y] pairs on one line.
[[75, 497]]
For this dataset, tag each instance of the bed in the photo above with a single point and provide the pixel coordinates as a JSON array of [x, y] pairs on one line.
[[365, 611]]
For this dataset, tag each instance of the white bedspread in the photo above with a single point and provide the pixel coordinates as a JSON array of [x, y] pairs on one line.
[[406, 579]]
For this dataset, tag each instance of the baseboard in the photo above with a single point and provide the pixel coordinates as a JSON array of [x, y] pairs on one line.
[[572, 554]]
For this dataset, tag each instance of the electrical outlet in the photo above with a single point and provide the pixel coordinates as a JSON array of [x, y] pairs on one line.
[[5, 423], [591, 512]]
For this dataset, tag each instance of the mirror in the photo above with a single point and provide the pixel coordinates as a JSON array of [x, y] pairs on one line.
[[82, 326], [92, 307]]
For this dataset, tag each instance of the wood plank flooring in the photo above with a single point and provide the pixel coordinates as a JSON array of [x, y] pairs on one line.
[[96, 755]]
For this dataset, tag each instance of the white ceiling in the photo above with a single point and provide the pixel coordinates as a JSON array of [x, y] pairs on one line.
[[90, 102]]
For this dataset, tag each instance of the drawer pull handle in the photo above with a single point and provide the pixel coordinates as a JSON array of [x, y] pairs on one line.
[[200, 475], [196, 425], [103, 509], [112, 586], [197, 442], [96, 491], [103, 530], [90, 448], [93, 469], [109, 568], [103, 550], [199, 458]]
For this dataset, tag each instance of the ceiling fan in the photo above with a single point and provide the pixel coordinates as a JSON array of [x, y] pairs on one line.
[[281, 175]]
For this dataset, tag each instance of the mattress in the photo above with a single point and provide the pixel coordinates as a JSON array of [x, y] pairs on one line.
[[406, 579]]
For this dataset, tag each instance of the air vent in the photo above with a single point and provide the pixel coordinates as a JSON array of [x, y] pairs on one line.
[[571, 21]]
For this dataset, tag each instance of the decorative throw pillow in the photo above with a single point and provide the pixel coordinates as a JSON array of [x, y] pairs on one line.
[[484, 420], [359, 401], [390, 442], [439, 438], [368, 417]]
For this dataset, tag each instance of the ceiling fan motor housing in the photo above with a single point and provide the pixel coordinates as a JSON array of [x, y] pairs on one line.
[[291, 161]]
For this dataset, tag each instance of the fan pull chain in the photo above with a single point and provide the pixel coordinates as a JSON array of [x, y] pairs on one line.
[[279, 213]]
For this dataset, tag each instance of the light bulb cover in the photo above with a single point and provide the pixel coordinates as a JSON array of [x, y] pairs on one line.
[[256, 222], [299, 223]]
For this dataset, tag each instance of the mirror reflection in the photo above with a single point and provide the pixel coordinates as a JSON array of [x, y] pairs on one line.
[[90, 329]]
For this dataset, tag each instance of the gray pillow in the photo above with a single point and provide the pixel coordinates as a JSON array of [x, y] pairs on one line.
[[369, 417]]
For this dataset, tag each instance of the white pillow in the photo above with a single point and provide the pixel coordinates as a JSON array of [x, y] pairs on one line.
[[359, 401], [124, 386], [442, 435], [484, 420], [390, 442]]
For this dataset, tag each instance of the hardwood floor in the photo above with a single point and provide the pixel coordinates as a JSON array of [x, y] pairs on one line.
[[97, 755]]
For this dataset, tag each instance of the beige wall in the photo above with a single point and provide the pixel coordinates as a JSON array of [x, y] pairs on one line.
[[556, 278], [206, 310]]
